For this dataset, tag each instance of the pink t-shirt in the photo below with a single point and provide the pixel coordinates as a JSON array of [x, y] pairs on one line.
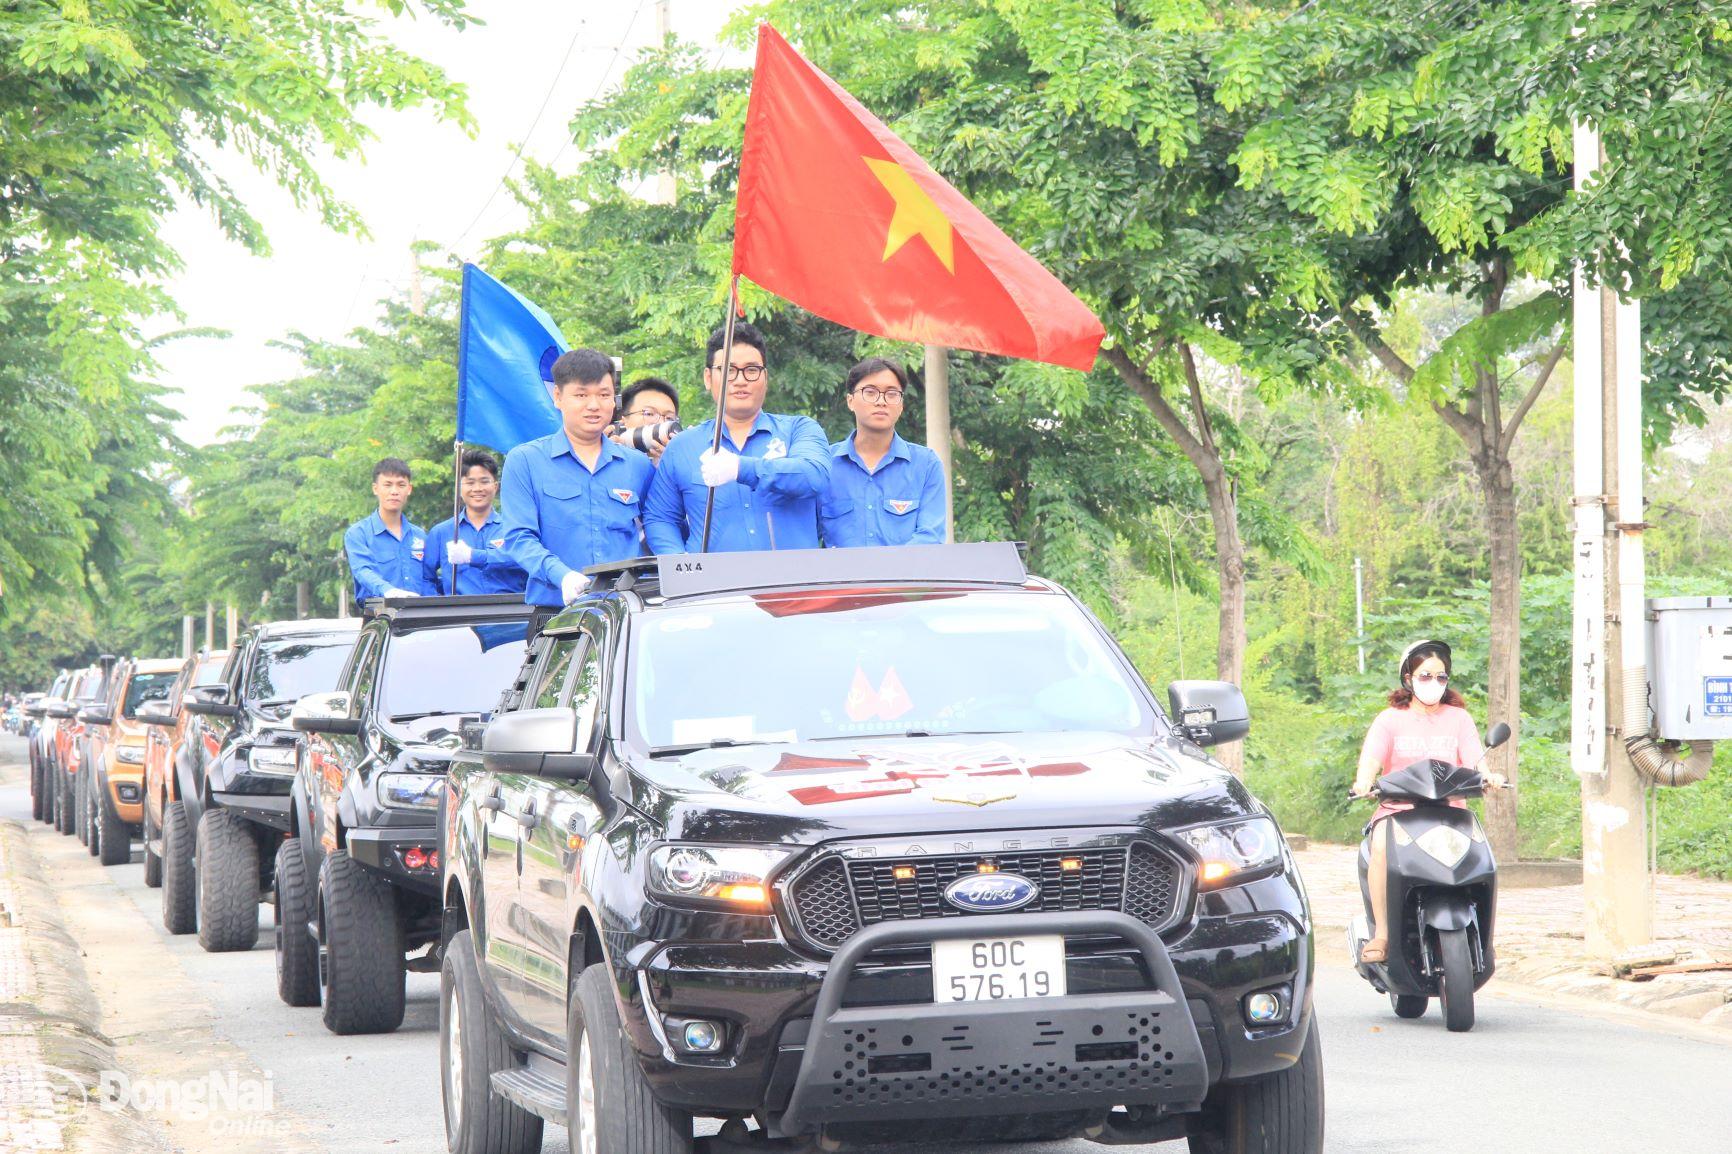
[[1400, 737]]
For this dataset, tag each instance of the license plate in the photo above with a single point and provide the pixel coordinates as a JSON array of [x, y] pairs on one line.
[[988, 969]]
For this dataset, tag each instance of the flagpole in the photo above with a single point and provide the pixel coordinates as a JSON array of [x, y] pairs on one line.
[[456, 509], [721, 395]]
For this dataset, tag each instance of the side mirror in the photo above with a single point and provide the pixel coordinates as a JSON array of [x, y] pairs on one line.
[[1208, 712], [59, 710], [211, 701], [324, 713], [34, 709], [156, 713], [537, 741], [95, 715], [1498, 735]]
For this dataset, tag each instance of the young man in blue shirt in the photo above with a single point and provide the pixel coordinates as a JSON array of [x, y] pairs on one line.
[[574, 499], [385, 549], [883, 490], [768, 476], [473, 546]]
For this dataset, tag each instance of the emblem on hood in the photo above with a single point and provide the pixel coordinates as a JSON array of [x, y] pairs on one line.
[[976, 798], [994, 893]]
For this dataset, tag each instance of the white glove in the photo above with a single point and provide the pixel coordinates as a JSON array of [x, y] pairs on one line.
[[719, 467], [458, 553], [400, 593], [572, 587]]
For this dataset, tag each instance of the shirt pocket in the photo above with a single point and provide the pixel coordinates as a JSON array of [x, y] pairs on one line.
[[901, 506]]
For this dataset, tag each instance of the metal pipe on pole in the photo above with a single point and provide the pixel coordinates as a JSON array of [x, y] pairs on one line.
[[938, 427], [721, 398]]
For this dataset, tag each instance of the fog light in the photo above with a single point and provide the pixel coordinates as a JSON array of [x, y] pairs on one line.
[[415, 858], [127, 792], [1266, 1008], [702, 1037]]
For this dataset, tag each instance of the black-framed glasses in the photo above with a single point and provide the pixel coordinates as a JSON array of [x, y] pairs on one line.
[[871, 394], [742, 372]]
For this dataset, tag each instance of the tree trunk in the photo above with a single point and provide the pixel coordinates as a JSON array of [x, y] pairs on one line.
[[1201, 450], [1503, 677]]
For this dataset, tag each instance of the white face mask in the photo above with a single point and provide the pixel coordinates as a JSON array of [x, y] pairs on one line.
[[1428, 692]]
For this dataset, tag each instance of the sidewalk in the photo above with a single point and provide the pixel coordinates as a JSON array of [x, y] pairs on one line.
[[1539, 936]]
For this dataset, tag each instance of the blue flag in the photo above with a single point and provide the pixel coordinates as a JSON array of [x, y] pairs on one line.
[[506, 347]]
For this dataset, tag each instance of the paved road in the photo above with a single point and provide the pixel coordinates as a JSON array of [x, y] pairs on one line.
[[1534, 1076]]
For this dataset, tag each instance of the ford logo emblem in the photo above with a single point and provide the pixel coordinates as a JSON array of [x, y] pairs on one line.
[[991, 893]]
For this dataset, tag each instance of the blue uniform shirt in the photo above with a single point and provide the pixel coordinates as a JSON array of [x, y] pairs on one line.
[[784, 472], [379, 561], [903, 503], [489, 569], [560, 517]]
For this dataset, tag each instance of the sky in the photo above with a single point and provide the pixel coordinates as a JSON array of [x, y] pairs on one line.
[[421, 179]]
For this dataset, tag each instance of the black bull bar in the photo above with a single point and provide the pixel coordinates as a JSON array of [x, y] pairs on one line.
[[1011, 1056]]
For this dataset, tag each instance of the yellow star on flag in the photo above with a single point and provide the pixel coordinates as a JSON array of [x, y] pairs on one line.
[[916, 214]]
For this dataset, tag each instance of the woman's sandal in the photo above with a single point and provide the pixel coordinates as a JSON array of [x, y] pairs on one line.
[[1375, 950]]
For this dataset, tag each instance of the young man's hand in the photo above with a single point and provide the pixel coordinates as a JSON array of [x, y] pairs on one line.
[[458, 553], [573, 585], [719, 467]]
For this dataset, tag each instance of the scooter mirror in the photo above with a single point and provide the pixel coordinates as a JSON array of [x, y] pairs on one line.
[[1498, 735]]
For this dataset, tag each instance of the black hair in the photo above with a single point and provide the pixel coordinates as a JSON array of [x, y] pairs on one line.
[[870, 366], [648, 385], [392, 467], [481, 457], [584, 366], [745, 333]]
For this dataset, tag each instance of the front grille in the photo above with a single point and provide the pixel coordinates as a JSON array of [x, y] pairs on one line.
[[835, 897]]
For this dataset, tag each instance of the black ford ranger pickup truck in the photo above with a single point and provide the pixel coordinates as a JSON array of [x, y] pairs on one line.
[[358, 879], [858, 846]]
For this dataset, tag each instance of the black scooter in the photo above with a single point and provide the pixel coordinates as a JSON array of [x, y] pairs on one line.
[[1442, 893]]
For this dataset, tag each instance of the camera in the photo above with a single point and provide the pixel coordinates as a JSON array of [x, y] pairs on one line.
[[643, 436]]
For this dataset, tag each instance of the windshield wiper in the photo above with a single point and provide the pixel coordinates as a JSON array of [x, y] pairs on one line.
[[695, 746], [435, 713], [914, 733]]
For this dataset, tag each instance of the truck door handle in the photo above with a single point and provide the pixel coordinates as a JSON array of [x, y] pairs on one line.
[[493, 802], [527, 818]]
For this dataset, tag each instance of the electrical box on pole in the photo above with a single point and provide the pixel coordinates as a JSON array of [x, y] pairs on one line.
[[1690, 667]]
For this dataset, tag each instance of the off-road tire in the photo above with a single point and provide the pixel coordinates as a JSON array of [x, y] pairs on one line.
[[297, 950], [63, 811], [81, 810], [228, 883], [1409, 1005], [179, 884], [627, 1118], [1455, 990], [1279, 1113], [39, 807], [113, 836], [477, 1121], [364, 974], [152, 863]]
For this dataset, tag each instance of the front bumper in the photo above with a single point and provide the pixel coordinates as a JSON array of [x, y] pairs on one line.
[[381, 850], [125, 783], [744, 974]]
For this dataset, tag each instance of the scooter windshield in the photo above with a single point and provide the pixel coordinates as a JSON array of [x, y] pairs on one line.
[[1430, 780]]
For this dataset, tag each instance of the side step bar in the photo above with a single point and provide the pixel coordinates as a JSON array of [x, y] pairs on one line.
[[538, 1086]]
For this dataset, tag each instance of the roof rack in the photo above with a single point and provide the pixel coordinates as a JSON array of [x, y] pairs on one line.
[[375, 606], [695, 574]]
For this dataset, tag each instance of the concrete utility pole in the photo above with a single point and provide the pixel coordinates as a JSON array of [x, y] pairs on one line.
[[938, 426], [667, 188], [209, 625], [1608, 604], [188, 633], [233, 623]]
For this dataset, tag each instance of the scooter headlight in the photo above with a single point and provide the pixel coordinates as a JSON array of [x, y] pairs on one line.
[[1445, 843]]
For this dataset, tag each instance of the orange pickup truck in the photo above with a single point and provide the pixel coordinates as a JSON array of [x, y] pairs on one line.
[[114, 744], [167, 727]]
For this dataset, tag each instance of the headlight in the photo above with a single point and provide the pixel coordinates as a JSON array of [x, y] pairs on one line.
[[272, 759], [415, 790], [734, 874], [1230, 852], [129, 754], [1446, 844]]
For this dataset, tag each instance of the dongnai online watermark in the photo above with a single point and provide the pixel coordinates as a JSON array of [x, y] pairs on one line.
[[227, 1102]]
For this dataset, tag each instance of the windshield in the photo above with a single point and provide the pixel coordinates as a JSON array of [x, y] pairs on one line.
[[798, 667], [146, 687], [210, 670], [287, 670], [450, 669]]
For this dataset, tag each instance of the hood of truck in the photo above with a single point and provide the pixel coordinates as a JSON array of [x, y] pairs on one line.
[[809, 792]]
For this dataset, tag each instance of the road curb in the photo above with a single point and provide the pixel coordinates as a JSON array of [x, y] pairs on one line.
[[51, 1044]]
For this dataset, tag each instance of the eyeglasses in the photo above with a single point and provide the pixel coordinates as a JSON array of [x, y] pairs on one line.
[[653, 414], [1428, 678], [742, 372], [872, 395]]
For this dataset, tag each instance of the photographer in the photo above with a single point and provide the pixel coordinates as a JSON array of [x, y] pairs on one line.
[[652, 405]]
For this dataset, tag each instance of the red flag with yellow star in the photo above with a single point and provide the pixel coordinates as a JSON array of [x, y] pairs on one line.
[[839, 216]]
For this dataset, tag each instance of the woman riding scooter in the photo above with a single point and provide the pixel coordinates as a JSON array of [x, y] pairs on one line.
[[1425, 719]]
